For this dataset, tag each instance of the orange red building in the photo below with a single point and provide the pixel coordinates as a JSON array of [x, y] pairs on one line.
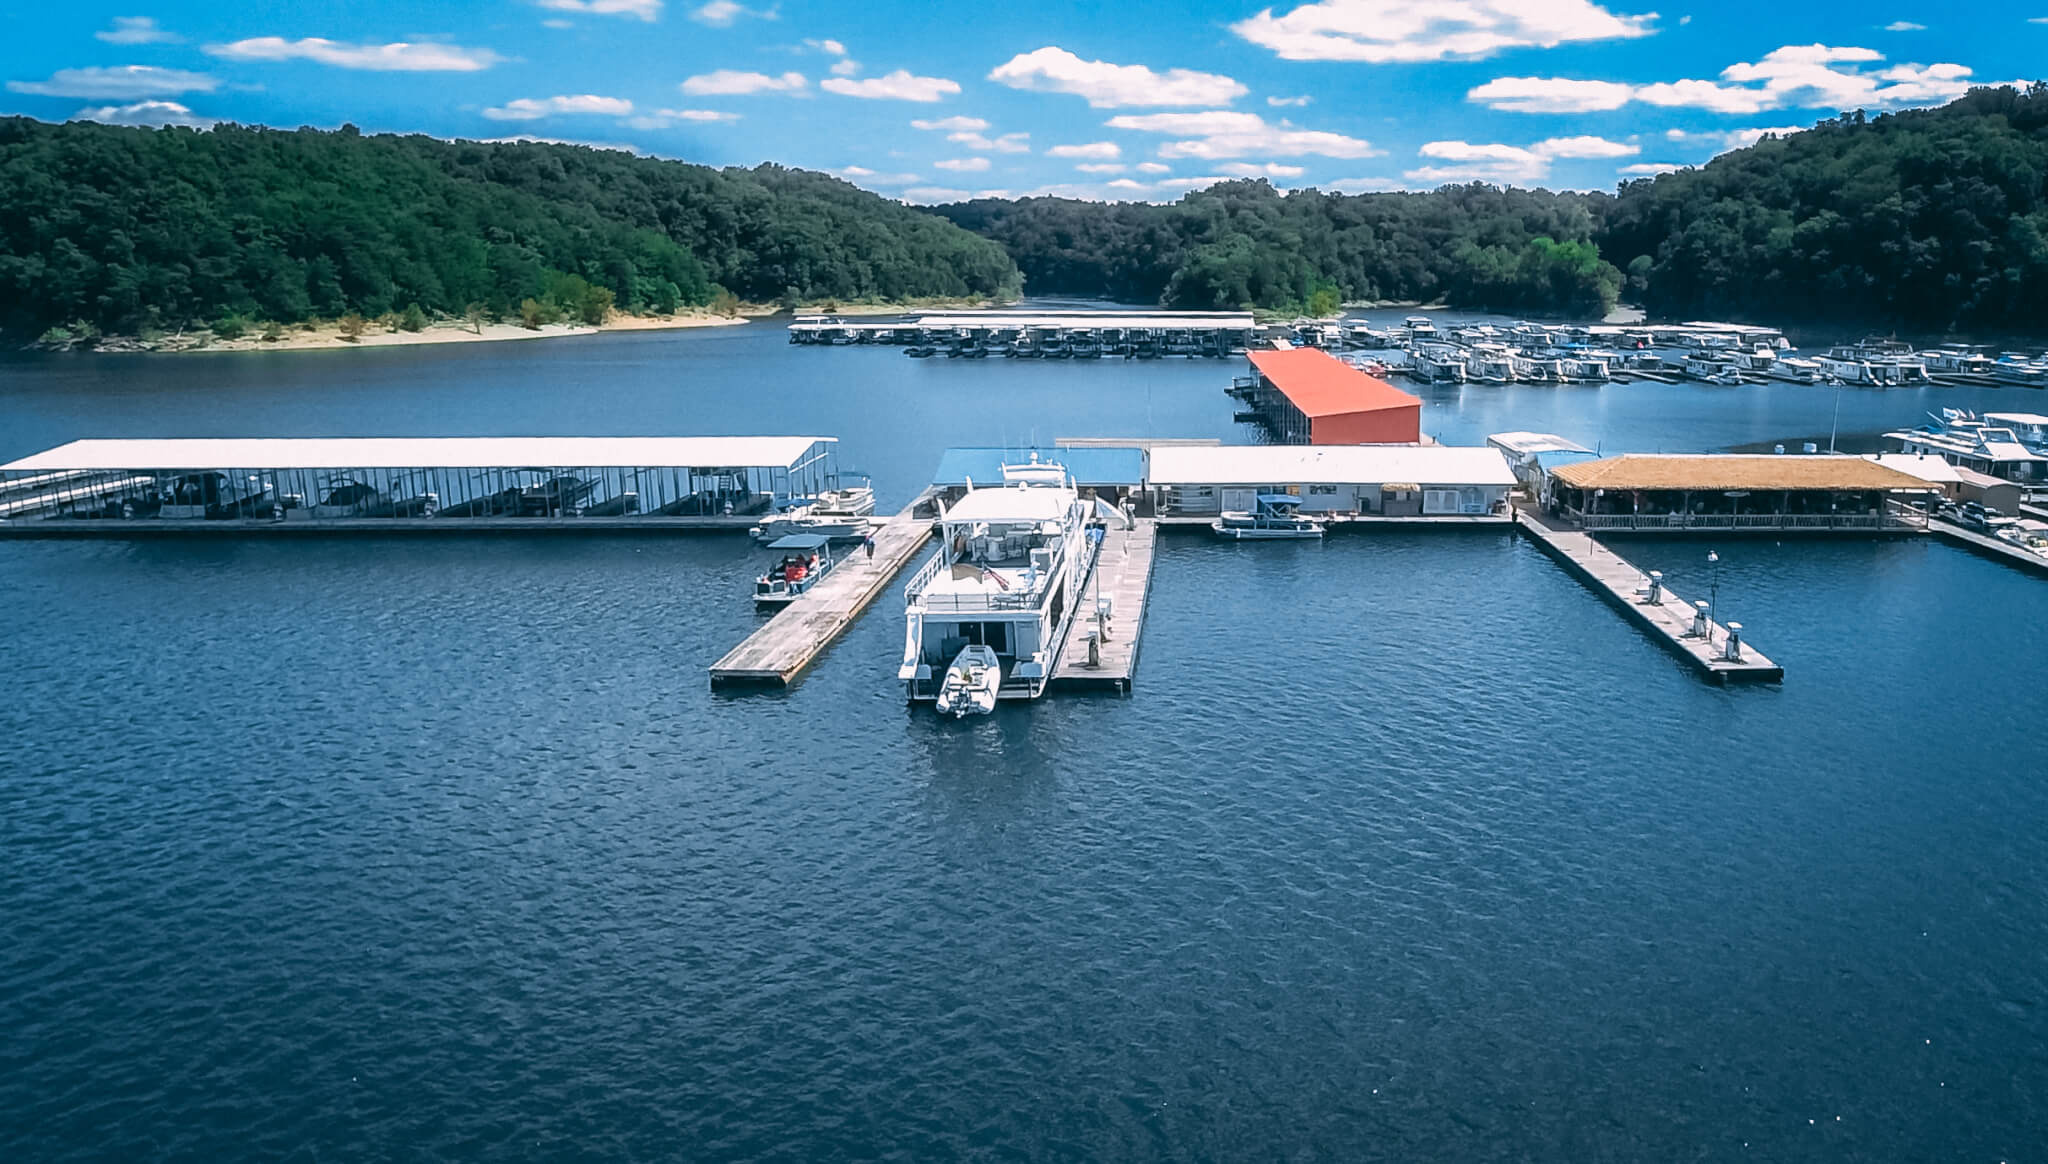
[[1309, 397]]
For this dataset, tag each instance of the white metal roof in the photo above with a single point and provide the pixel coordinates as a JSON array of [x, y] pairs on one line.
[[1089, 319], [421, 452], [1047, 503], [1535, 442], [1328, 465], [2030, 418], [1925, 466]]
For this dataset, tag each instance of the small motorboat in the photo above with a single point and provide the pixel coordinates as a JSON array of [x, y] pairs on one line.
[[969, 687], [805, 559], [1277, 517]]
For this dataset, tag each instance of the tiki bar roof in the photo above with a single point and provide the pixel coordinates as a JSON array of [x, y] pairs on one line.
[[1720, 471]]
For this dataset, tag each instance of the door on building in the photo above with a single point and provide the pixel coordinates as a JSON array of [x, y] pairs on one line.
[[1240, 500], [1439, 501]]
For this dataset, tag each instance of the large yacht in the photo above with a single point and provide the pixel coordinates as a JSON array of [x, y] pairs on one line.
[[1007, 573]]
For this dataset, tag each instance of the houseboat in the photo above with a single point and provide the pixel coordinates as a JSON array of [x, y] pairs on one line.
[[1490, 364], [1006, 576], [1796, 369], [1437, 364]]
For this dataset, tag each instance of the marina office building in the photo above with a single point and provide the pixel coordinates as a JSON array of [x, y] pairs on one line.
[[1366, 480]]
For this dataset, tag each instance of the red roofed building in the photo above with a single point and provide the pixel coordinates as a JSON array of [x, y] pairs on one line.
[[1309, 397]]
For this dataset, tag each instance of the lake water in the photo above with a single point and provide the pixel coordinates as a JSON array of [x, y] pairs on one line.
[[1405, 847]]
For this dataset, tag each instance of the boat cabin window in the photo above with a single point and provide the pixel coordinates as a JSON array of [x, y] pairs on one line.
[[993, 635]]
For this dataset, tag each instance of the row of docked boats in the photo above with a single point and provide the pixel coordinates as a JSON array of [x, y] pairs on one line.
[[1076, 348], [802, 536]]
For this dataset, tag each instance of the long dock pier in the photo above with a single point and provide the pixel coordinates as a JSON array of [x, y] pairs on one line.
[[1988, 546], [1123, 574], [1670, 620], [780, 650]]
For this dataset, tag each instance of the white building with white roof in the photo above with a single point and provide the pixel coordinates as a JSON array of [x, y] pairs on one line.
[[1377, 480]]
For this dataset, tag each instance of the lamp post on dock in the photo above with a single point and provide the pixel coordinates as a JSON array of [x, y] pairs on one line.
[[1713, 590]]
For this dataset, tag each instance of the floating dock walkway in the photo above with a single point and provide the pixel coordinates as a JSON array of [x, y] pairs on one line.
[[779, 651], [1670, 621], [1989, 546], [1123, 574]]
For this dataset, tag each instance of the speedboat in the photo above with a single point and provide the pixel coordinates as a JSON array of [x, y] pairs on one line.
[[1277, 517], [969, 687], [840, 514]]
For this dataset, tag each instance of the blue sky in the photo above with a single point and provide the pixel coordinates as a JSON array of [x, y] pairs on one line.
[[1133, 100]]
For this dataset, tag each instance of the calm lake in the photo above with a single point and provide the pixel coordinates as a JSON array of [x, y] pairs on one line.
[[1405, 847]]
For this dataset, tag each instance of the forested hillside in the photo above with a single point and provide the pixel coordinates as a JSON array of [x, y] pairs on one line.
[[1244, 242], [1924, 220], [129, 229]]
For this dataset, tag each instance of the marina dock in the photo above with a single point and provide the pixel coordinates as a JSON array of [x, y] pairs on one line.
[[1988, 546], [780, 650], [1670, 621], [1123, 574]]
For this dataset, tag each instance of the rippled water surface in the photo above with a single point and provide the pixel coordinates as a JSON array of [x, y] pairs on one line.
[[1405, 847]]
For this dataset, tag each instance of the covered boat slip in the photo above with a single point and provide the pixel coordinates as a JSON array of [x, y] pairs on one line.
[[1362, 484], [1661, 493], [1184, 332], [383, 483], [1305, 396]]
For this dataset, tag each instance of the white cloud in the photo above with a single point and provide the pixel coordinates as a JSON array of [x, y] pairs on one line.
[[1108, 86], [897, 86], [1551, 95], [1223, 134], [1101, 167], [1808, 76], [117, 81], [1153, 168], [136, 30], [397, 57], [1506, 164], [150, 113], [1284, 102], [1263, 170], [1009, 143], [725, 13], [1904, 26], [644, 9], [1384, 31], [963, 165], [1363, 186], [1127, 184], [845, 67], [667, 118], [535, 108], [1584, 146], [954, 124], [1649, 169], [1093, 149], [1720, 141], [734, 83], [931, 194], [557, 22], [866, 177], [827, 45]]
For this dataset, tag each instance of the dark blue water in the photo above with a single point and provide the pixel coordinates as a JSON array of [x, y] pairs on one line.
[[1406, 847]]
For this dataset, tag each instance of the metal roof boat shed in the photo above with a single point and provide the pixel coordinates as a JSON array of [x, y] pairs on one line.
[[1307, 396], [1381, 480], [325, 479], [1716, 491]]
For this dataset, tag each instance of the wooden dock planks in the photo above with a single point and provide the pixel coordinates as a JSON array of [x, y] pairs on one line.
[[1669, 622], [780, 650], [1123, 570]]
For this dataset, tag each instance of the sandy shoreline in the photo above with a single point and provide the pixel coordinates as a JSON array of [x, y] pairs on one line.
[[327, 335]]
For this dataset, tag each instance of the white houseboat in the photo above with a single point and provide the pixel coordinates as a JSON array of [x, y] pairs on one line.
[[1008, 571]]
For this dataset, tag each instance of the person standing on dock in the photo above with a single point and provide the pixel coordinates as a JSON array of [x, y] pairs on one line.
[[867, 542]]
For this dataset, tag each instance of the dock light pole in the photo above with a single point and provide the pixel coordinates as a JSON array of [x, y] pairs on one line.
[[1836, 423], [1713, 590]]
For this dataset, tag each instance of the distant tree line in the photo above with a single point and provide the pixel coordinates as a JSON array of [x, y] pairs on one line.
[[1923, 220], [1246, 244], [125, 229]]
